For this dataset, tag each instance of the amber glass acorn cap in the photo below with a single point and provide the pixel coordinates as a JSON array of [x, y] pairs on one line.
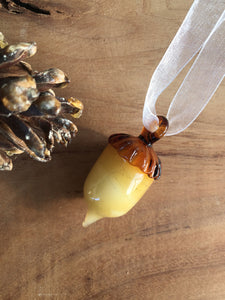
[[138, 151]]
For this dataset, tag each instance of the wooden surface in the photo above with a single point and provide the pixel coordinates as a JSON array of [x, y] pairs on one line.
[[172, 244]]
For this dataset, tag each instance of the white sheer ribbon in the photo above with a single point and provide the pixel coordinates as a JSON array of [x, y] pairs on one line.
[[202, 30]]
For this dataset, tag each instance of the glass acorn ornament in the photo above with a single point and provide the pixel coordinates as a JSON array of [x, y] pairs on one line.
[[128, 165], [122, 174]]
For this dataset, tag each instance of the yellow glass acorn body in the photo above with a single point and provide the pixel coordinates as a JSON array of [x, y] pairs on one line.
[[115, 193], [122, 174]]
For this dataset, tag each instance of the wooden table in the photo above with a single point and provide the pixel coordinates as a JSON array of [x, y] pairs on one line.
[[172, 244]]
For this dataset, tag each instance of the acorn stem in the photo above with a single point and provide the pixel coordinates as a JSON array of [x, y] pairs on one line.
[[151, 137]]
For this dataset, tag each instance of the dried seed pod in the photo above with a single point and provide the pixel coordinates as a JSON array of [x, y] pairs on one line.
[[18, 93], [51, 78]]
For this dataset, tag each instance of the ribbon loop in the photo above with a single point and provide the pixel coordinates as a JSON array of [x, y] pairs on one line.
[[202, 29]]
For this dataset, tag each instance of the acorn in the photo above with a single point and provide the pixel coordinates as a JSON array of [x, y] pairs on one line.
[[122, 174]]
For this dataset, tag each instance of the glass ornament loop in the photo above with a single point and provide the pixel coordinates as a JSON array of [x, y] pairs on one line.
[[152, 137]]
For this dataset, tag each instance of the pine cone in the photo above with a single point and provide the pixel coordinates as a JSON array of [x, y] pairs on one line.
[[32, 118]]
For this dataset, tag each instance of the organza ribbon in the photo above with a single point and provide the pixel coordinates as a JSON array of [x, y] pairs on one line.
[[203, 29]]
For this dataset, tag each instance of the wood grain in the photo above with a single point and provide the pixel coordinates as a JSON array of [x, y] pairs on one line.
[[172, 244]]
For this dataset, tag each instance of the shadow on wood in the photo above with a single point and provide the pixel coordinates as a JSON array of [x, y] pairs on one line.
[[38, 184]]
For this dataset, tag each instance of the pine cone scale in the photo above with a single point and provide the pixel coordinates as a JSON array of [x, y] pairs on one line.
[[25, 133], [12, 54], [5, 162]]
